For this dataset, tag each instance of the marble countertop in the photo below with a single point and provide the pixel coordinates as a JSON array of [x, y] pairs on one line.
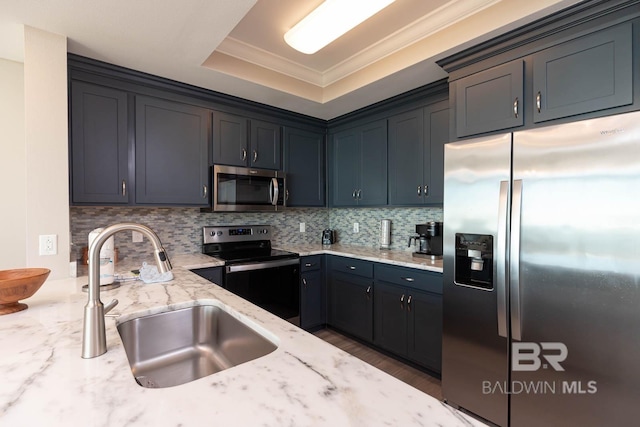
[[305, 382], [395, 257]]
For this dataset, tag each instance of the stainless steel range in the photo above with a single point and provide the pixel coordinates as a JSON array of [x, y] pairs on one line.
[[254, 270]]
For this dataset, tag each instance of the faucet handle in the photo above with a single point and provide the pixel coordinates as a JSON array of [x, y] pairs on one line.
[[109, 307]]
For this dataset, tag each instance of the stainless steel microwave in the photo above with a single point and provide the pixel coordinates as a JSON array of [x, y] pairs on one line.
[[239, 189]]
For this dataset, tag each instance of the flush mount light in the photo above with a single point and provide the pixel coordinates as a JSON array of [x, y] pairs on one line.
[[329, 21]]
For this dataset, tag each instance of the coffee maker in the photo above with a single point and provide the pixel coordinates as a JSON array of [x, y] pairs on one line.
[[428, 240]]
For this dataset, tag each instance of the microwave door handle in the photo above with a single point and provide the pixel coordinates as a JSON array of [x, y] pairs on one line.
[[274, 191]]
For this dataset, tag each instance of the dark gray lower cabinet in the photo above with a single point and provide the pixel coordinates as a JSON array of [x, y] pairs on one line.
[[304, 165], [172, 141], [408, 314], [99, 145], [313, 306], [351, 296]]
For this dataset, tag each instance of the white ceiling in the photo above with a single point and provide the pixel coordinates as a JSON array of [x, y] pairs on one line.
[[237, 47]]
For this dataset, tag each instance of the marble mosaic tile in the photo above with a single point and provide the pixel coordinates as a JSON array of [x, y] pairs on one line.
[[180, 228]]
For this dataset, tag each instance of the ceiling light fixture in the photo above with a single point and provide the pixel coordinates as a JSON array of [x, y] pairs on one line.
[[329, 21]]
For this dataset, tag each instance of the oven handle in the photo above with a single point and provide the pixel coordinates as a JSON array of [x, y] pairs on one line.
[[261, 265]]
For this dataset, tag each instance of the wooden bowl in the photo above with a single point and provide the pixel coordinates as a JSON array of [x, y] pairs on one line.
[[19, 284]]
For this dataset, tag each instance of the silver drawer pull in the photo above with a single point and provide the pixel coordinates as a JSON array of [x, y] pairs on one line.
[[408, 279], [304, 282], [351, 267], [308, 264]]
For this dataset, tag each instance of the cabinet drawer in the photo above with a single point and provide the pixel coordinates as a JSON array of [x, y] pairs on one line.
[[410, 277], [352, 266], [310, 263]]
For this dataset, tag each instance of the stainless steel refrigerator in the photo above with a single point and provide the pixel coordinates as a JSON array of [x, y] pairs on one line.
[[542, 275]]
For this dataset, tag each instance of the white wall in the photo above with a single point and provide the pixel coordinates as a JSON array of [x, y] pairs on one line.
[[13, 172], [34, 153]]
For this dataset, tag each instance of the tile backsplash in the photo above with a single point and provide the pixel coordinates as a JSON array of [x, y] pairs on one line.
[[180, 229]]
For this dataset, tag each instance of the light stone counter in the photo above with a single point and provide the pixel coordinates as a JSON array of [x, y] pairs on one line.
[[395, 257], [305, 382]]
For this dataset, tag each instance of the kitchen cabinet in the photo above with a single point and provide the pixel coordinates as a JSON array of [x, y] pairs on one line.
[[312, 292], [416, 155], [240, 141], [590, 73], [304, 165], [351, 296], [171, 163], [99, 145], [490, 100], [408, 314], [359, 166]]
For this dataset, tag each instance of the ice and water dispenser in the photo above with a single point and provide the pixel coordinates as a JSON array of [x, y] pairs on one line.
[[474, 260]]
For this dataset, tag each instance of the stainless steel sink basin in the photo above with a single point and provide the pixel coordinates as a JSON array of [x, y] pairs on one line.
[[176, 347]]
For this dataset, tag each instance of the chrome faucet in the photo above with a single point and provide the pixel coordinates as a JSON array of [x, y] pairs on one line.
[[94, 341]]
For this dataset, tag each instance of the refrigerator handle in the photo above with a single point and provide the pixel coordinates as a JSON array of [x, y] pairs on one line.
[[501, 256], [514, 261]]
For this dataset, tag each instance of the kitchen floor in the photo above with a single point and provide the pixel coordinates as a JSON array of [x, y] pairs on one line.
[[412, 376]]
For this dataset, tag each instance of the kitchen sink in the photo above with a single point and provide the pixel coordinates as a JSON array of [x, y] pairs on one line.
[[176, 347]]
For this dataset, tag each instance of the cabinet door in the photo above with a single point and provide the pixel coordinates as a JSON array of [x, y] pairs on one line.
[[171, 153], [406, 153], [390, 318], [373, 165], [345, 177], [266, 145], [490, 100], [436, 134], [587, 74], [351, 304], [99, 145], [312, 300], [229, 140], [424, 342], [304, 165]]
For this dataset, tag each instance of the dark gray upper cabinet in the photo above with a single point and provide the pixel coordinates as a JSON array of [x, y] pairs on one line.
[[416, 155], [99, 145], [359, 166], [490, 100], [265, 145], [172, 141], [590, 73], [304, 164], [237, 144], [230, 143]]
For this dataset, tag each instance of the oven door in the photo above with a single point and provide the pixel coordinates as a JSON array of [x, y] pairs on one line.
[[272, 285], [243, 189]]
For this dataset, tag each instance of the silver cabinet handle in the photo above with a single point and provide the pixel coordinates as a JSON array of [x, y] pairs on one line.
[[304, 282], [515, 108], [204, 192], [408, 279], [354, 193], [359, 194], [244, 154], [308, 264], [124, 187], [419, 191], [402, 302], [409, 300], [368, 292], [500, 259], [286, 194], [514, 260], [351, 267], [426, 190], [255, 156], [539, 101]]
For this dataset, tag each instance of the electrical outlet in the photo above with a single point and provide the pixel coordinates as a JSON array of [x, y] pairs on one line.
[[136, 236], [48, 244], [303, 227], [356, 227]]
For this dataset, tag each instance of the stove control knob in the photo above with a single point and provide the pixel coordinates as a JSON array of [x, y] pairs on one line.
[[264, 231], [219, 233], [213, 233]]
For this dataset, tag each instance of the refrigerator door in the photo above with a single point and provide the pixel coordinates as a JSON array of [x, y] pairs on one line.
[[578, 277], [477, 174]]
